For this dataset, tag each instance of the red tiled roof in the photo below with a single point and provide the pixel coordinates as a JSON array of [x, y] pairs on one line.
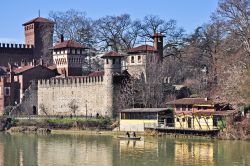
[[191, 101], [112, 54], [26, 68], [142, 48], [68, 44], [96, 73], [208, 113], [22, 69], [38, 19], [52, 67]]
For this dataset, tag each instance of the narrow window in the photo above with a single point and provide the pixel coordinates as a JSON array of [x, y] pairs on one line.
[[189, 107], [132, 59], [184, 107], [107, 61], [139, 59], [113, 60], [178, 107]]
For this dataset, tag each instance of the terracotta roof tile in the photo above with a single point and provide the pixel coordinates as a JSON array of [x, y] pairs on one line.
[[22, 69], [52, 67], [112, 54], [142, 48], [68, 44], [191, 101], [96, 73], [38, 19]]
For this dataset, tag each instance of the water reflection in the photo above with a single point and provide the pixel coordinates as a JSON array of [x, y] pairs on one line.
[[87, 150], [32, 150], [197, 152]]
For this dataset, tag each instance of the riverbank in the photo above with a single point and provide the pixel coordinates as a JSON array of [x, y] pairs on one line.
[[66, 123]]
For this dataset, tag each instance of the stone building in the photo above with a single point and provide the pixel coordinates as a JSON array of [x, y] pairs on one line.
[[138, 58]]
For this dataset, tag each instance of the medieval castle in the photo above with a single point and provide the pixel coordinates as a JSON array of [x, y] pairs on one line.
[[62, 89]]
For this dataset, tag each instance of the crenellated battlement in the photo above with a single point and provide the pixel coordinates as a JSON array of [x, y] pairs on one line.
[[71, 81], [10, 45], [7, 48]]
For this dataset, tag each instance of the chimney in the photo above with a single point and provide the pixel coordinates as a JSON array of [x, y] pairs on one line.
[[62, 38], [158, 43], [41, 62]]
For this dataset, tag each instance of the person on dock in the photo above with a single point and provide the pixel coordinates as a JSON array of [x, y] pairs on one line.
[[127, 133]]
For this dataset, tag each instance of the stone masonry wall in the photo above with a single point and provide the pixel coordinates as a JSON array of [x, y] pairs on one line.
[[88, 94]]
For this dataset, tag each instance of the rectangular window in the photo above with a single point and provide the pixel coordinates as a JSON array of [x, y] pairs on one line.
[[139, 59], [189, 107], [183, 119], [107, 61], [184, 107], [7, 91], [178, 107], [113, 60], [132, 59], [177, 119]]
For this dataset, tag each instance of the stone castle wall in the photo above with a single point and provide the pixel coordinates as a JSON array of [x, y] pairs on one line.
[[88, 94]]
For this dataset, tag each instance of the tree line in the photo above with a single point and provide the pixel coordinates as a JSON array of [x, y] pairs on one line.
[[213, 61]]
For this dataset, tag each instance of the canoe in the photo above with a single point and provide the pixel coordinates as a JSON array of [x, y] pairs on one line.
[[128, 138]]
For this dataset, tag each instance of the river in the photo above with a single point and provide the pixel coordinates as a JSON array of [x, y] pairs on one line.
[[99, 150]]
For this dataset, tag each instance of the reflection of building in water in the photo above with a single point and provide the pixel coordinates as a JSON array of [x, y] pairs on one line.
[[18, 150], [136, 147], [197, 152], [1, 154], [77, 151]]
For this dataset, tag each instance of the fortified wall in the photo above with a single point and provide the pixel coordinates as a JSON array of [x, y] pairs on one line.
[[88, 95], [15, 53]]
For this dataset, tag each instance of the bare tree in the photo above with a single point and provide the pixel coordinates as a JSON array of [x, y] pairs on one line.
[[73, 106], [43, 109], [236, 16], [74, 25], [154, 24], [119, 32]]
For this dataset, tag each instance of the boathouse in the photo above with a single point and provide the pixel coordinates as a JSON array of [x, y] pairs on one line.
[[135, 119], [193, 113]]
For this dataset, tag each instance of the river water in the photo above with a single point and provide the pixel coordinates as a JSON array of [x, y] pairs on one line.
[[99, 150]]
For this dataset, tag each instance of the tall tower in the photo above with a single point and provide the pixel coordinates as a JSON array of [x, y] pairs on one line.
[[69, 57], [39, 33], [158, 43], [112, 66]]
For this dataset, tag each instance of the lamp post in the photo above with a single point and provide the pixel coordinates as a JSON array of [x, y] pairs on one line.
[[86, 107]]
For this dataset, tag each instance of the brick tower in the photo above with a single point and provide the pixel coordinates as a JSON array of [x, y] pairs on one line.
[[39, 33], [158, 43]]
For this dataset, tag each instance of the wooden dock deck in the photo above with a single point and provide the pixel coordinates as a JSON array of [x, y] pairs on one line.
[[191, 131]]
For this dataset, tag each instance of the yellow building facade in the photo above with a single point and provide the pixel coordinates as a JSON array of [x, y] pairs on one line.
[[136, 119]]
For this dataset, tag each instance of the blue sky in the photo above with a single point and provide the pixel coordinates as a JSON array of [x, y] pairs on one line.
[[188, 13]]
